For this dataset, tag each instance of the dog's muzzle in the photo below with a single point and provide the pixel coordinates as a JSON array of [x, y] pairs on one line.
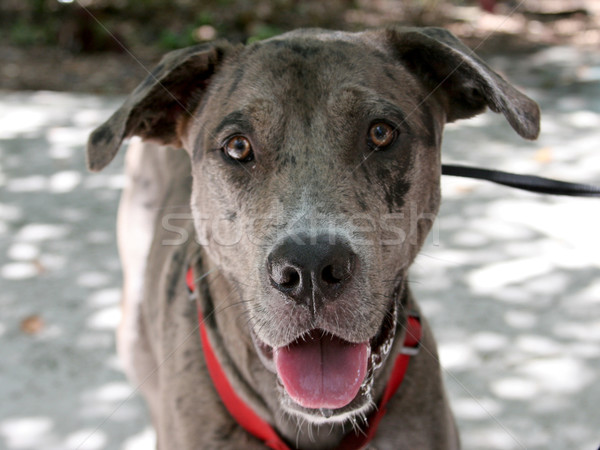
[[322, 374]]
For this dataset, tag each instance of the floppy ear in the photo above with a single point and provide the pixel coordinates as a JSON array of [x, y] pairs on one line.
[[445, 65], [160, 106]]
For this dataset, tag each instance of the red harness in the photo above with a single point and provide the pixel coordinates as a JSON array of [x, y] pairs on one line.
[[253, 424]]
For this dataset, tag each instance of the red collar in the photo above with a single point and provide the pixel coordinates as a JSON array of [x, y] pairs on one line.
[[253, 424]]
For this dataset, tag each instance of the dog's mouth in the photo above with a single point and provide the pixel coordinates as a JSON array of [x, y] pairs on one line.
[[325, 376]]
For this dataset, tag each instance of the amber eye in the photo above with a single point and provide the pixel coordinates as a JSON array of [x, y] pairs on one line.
[[381, 135], [238, 148]]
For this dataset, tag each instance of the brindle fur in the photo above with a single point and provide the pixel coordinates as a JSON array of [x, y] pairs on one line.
[[305, 100]]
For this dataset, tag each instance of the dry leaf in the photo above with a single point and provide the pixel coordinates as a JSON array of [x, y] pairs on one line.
[[32, 324]]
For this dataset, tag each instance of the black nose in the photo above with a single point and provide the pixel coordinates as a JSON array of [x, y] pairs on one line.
[[311, 270]]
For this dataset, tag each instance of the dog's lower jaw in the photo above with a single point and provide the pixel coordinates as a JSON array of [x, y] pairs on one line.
[[354, 415], [355, 412]]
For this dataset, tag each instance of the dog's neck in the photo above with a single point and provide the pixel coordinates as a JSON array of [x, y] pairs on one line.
[[252, 381]]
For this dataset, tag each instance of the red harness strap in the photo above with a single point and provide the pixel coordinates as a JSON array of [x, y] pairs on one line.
[[253, 424]]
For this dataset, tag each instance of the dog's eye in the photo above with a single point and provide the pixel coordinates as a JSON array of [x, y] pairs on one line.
[[381, 135], [238, 148]]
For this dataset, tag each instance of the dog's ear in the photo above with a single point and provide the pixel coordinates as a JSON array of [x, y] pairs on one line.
[[445, 65], [159, 107]]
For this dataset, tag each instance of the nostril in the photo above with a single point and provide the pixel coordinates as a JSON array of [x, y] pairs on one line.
[[330, 275], [337, 272], [284, 276], [289, 278], [311, 274]]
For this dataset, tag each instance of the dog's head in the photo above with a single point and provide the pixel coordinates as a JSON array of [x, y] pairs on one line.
[[316, 169]]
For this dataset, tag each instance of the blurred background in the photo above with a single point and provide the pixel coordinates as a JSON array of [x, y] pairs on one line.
[[61, 44], [509, 280]]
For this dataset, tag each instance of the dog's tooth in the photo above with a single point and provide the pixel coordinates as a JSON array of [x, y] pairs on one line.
[[327, 413]]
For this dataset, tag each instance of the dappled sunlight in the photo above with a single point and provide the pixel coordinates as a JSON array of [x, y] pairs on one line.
[[60, 278], [457, 355], [21, 251], [64, 181], [496, 276], [143, 440], [476, 409], [18, 271], [27, 184], [102, 298], [25, 432], [104, 313], [105, 319], [36, 232], [104, 181], [517, 316], [93, 279], [515, 388], [86, 439], [111, 392], [21, 121], [511, 287]]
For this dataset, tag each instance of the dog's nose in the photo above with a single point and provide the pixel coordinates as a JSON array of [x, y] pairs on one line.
[[311, 270]]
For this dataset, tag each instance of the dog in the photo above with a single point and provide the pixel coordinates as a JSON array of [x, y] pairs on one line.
[[302, 179]]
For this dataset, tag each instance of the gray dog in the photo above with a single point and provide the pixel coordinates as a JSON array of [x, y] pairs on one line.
[[309, 181]]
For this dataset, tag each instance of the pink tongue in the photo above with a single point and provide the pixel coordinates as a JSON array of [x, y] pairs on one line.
[[322, 372]]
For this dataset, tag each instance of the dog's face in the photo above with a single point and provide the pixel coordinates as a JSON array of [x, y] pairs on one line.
[[315, 160], [312, 166]]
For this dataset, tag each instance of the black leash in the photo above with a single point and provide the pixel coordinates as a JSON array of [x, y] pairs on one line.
[[530, 183]]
